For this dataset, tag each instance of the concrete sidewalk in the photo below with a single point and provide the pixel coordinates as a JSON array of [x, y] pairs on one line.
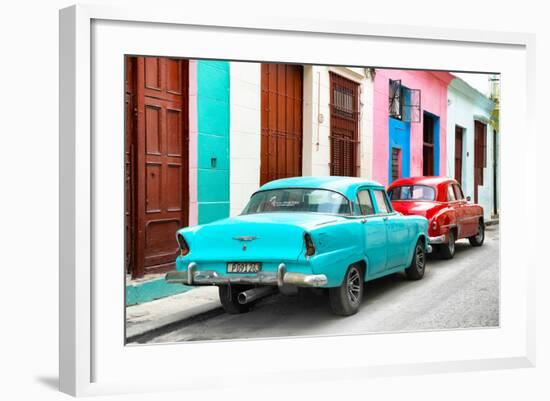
[[150, 316]]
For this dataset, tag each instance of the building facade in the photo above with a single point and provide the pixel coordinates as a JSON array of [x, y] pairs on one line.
[[410, 124], [289, 120], [201, 136], [471, 145]]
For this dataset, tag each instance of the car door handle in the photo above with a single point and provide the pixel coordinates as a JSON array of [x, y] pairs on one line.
[[385, 218]]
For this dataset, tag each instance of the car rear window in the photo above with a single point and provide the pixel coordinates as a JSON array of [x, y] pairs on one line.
[[298, 200], [412, 192]]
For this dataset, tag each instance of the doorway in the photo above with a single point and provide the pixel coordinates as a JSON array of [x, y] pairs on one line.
[[480, 155], [281, 119], [430, 145], [459, 137], [344, 125], [156, 161]]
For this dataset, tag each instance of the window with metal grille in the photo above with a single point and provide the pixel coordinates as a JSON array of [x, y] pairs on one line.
[[344, 125], [404, 103], [395, 163]]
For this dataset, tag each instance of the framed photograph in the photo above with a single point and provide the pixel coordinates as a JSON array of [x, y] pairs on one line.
[[337, 198]]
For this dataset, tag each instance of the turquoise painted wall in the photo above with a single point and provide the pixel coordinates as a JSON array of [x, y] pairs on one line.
[[213, 140], [149, 290]]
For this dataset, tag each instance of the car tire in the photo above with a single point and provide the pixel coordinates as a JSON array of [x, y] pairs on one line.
[[346, 299], [447, 251], [418, 263], [228, 298], [477, 240]]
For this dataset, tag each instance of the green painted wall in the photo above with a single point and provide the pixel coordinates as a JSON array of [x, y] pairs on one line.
[[213, 140]]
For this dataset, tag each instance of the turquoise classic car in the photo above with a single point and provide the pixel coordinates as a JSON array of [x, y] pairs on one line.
[[328, 232]]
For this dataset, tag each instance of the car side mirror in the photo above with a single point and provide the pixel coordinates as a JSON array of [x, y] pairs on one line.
[[468, 198]]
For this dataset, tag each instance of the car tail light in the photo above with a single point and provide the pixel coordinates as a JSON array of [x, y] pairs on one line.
[[310, 248], [434, 225], [184, 248]]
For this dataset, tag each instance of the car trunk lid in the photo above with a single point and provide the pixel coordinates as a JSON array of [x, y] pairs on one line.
[[256, 237]]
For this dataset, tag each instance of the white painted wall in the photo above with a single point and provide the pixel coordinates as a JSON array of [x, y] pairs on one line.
[[316, 121], [245, 131], [465, 105]]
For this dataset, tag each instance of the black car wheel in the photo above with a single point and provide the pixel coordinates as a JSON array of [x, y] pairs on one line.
[[418, 263], [447, 250], [346, 299], [477, 240]]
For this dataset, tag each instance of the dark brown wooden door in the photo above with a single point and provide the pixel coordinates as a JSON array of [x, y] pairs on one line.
[[459, 131], [281, 139], [344, 126], [161, 162], [428, 146], [130, 114], [480, 157], [395, 163]]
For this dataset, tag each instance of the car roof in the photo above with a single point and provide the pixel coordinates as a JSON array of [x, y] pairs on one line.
[[344, 185], [421, 180], [438, 183]]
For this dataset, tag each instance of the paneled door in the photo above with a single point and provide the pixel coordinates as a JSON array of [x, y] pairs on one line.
[[428, 146], [459, 133], [281, 139], [480, 155], [130, 114], [344, 126], [161, 162]]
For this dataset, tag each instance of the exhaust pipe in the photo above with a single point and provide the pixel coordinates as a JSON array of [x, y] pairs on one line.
[[254, 294]]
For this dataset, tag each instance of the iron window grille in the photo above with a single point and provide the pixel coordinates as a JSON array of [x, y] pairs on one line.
[[404, 103]]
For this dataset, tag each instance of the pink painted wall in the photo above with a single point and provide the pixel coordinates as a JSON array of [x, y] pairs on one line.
[[433, 87], [193, 133]]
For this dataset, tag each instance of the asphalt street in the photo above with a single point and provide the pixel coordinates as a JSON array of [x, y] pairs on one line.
[[458, 293]]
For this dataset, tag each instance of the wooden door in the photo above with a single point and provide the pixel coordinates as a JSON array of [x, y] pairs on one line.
[[160, 186], [480, 157], [281, 139], [344, 126], [459, 131], [428, 146], [395, 164], [130, 114]]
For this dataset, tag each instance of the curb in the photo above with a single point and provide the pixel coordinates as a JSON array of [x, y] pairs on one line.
[[174, 310]]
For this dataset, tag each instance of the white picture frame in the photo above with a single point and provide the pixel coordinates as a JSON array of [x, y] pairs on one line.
[[93, 39]]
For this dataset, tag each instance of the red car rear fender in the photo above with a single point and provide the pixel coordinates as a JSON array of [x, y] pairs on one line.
[[444, 218]]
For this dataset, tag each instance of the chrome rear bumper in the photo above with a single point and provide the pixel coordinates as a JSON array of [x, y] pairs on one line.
[[192, 276]]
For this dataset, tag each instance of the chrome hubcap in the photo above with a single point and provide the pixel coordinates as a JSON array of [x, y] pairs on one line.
[[419, 258], [354, 285]]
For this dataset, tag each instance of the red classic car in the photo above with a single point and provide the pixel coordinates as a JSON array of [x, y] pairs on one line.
[[442, 202]]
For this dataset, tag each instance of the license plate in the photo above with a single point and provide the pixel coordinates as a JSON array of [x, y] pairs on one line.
[[243, 267]]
